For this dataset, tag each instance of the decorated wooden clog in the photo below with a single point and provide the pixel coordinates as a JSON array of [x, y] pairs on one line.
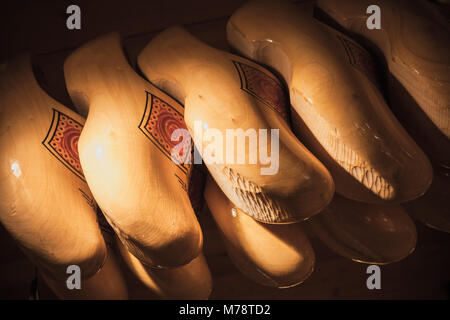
[[374, 234]]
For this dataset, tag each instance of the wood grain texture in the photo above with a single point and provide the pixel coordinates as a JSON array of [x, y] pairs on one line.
[[125, 154], [211, 85], [367, 233], [422, 275], [272, 255], [339, 112], [44, 201], [42, 25], [413, 40]]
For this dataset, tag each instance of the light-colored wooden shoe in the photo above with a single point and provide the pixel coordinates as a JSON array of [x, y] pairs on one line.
[[107, 284], [125, 151], [224, 92], [415, 46], [45, 203], [367, 233], [192, 281], [339, 112], [272, 255], [432, 208]]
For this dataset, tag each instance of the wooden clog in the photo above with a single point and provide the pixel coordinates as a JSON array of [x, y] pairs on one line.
[[224, 92], [367, 233], [45, 203], [189, 282], [339, 112], [272, 255], [414, 44], [125, 151]]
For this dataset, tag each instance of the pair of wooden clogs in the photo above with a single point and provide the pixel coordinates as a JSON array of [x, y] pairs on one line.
[[126, 156]]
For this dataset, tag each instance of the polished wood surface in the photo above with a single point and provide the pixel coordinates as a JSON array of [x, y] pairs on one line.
[[433, 208], [413, 44], [422, 275], [272, 255], [339, 113], [45, 202], [146, 203]]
